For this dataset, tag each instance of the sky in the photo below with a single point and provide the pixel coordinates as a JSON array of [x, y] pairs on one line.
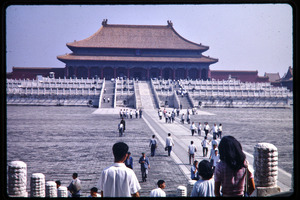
[[241, 36]]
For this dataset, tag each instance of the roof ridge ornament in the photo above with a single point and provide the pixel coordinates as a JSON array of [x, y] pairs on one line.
[[170, 23], [104, 22]]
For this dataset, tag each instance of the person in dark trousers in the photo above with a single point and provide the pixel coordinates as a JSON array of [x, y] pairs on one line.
[[169, 144], [123, 122], [75, 186], [140, 113], [153, 145], [145, 165], [129, 161]]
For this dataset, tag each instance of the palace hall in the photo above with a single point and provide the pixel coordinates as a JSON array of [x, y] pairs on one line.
[[137, 51]]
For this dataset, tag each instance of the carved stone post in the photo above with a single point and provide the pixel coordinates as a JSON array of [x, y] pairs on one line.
[[266, 169]]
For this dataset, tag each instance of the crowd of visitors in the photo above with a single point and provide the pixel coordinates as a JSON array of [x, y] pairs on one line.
[[222, 173]]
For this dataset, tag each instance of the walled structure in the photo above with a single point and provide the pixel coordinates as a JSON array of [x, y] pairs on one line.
[[137, 51], [244, 76]]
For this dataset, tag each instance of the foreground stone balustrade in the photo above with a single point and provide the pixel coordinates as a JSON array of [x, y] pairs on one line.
[[17, 179], [266, 169]]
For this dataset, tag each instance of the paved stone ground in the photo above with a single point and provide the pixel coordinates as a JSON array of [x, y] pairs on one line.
[[58, 141]]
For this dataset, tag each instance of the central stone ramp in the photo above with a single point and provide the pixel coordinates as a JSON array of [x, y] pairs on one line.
[[109, 93], [146, 95]]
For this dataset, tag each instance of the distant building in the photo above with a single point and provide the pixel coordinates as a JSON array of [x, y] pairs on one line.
[[137, 51], [273, 77], [243, 76], [34, 72], [287, 79]]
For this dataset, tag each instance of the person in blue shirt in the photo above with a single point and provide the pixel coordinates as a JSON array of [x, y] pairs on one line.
[[145, 165], [129, 161], [194, 171]]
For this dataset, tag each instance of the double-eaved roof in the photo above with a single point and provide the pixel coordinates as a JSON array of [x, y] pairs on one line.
[[137, 37], [154, 37]]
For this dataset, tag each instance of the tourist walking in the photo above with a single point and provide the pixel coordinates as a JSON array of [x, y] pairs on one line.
[[205, 186], [188, 118], [199, 129], [145, 165], [158, 192], [182, 118], [206, 128], [205, 144], [169, 144], [173, 117], [120, 128], [214, 130], [129, 161], [136, 113], [75, 186], [153, 145], [160, 114], [191, 151], [166, 117], [119, 180], [123, 122], [194, 171], [127, 113], [130, 113], [231, 171], [216, 159], [140, 113], [193, 128], [212, 153], [214, 142], [220, 129]]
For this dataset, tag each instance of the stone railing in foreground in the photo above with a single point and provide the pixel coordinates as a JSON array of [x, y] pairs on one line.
[[266, 169], [265, 176]]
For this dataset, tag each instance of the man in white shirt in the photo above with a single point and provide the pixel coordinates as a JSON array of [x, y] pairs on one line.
[[206, 128], [199, 129], [193, 128], [220, 131], [158, 192], [191, 150], [215, 130], [119, 180], [75, 186], [169, 143]]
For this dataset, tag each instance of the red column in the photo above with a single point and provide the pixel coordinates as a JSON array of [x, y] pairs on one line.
[[186, 73], [101, 71], [173, 74], [67, 71], [128, 72], [208, 74], [89, 72], [75, 71], [115, 72], [199, 73], [160, 72], [148, 73]]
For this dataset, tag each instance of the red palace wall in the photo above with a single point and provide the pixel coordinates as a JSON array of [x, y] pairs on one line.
[[31, 73], [244, 76]]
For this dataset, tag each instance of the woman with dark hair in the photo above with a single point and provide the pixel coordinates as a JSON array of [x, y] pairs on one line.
[[231, 172], [205, 186]]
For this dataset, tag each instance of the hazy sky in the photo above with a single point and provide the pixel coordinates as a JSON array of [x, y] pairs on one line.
[[242, 37]]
